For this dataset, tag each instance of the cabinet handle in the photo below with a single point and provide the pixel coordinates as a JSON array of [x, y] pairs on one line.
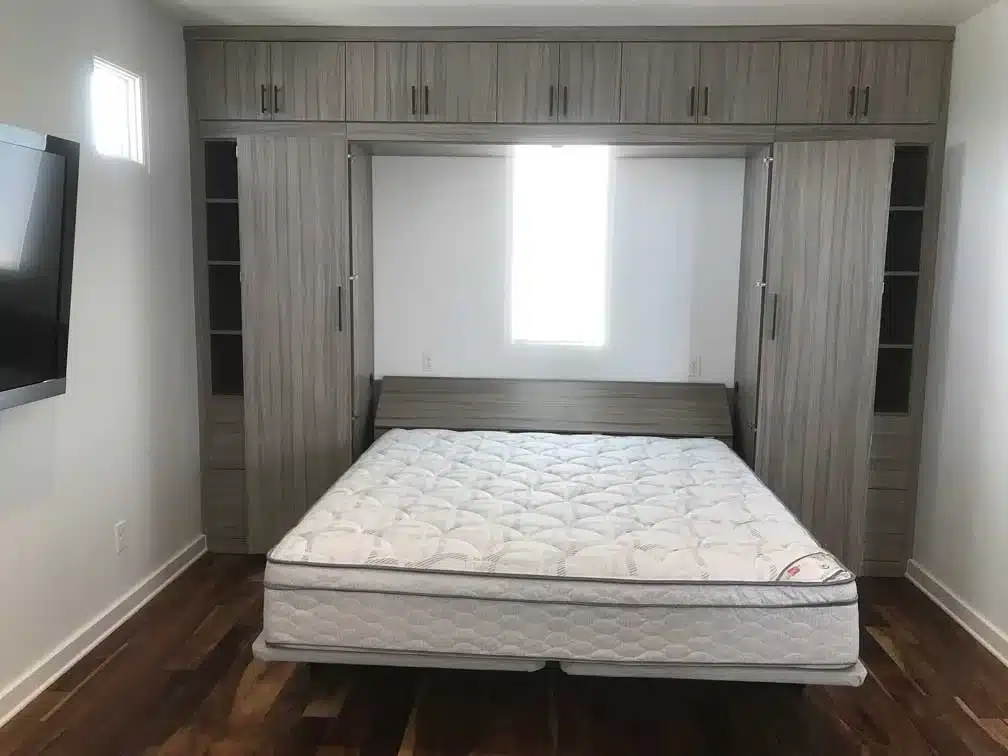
[[339, 307], [853, 101], [867, 98], [426, 100], [276, 99], [773, 317], [706, 101], [413, 98], [692, 102], [262, 98], [551, 92], [565, 101]]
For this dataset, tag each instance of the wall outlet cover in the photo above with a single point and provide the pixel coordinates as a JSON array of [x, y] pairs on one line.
[[426, 364], [119, 531]]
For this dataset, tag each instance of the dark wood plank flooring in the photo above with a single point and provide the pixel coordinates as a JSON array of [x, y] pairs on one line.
[[179, 678]]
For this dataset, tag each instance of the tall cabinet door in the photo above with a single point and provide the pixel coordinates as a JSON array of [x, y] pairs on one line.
[[459, 82], [383, 81], [825, 262], [755, 204], [527, 76], [296, 334], [590, 82]]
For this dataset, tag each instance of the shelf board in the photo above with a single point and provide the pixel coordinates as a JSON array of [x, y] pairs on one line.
[[904, 209], [895, 346], [222, 201], [224, 332], [902, 273], [234, 263]]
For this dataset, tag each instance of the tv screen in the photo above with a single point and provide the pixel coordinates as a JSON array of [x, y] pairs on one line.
[[38, 197]]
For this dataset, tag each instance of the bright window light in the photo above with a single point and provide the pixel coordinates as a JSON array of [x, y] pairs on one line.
[[560, 218], [117, 112]]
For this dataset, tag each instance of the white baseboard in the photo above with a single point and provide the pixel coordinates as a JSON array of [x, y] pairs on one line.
[[987, 634], [22, 691]]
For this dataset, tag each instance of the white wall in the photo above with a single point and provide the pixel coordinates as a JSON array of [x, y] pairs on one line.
[[442, 258], [962, 520], [122, 443]]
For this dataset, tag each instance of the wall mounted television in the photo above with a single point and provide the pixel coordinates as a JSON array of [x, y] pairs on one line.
[[38, 214]]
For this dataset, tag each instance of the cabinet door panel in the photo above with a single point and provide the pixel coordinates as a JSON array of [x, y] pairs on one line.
[[248, 80], [309, 80], [819, 82], [902, 81], [659, 82], [527, 82], [296, 334], [825, 262], [756, 198], [590, 82], [459, 82], [207, 79], [383, 81], [738, 82]]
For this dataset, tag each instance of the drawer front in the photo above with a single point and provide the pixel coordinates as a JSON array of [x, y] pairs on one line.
[[226, 410], [892, 453], [884, 547]]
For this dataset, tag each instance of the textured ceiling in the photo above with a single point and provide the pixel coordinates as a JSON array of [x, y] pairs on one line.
[[574, 12]]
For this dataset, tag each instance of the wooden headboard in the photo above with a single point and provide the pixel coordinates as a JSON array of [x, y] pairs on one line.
[[674, 410]]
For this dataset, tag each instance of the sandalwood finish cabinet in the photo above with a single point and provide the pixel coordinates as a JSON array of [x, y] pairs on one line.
[[861, 82], [287, 81]]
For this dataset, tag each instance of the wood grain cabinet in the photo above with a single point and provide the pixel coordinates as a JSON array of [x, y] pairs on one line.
[[459, 82], [567, 82], [659, 82], [902, 82], [712, 83], [289, 81], [383, 81], [738, 82], [861, 82]]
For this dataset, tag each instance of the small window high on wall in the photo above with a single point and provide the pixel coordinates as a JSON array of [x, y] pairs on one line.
[[117, 112], [559, 238]]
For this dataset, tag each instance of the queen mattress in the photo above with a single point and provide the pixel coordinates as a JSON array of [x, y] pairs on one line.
[[620, 552]]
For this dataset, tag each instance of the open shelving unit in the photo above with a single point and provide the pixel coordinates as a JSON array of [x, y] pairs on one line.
[[902, 277], [223, 268]]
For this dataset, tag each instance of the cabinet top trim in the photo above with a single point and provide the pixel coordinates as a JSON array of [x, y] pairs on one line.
[[569, 34]]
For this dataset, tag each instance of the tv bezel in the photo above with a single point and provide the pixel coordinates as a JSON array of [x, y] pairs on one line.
[[70, 151]]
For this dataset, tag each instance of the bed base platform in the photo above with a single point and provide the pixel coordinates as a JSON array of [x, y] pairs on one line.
[[852, 676]]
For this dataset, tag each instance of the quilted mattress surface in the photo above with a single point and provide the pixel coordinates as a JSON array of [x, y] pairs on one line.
[[626, 521]]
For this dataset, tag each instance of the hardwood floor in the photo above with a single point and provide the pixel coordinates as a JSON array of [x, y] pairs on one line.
[[179, 678]]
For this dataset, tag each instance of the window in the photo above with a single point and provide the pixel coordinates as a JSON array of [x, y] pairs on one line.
[[559, 237], [116, 112]]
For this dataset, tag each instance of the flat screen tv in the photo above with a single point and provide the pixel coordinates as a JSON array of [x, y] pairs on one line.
[[38, 212]]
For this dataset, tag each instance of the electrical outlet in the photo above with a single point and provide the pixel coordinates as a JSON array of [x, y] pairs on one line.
[[426, 364], [695, 368], [119, 531]]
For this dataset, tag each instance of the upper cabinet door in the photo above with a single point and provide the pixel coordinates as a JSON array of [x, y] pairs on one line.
[[902, 81], [459, 82], [247, 81], [309, 81], [738, 82], [590, 82], [207, 80], [819, 82], [527, 76], [383, 81], [659, 82]]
